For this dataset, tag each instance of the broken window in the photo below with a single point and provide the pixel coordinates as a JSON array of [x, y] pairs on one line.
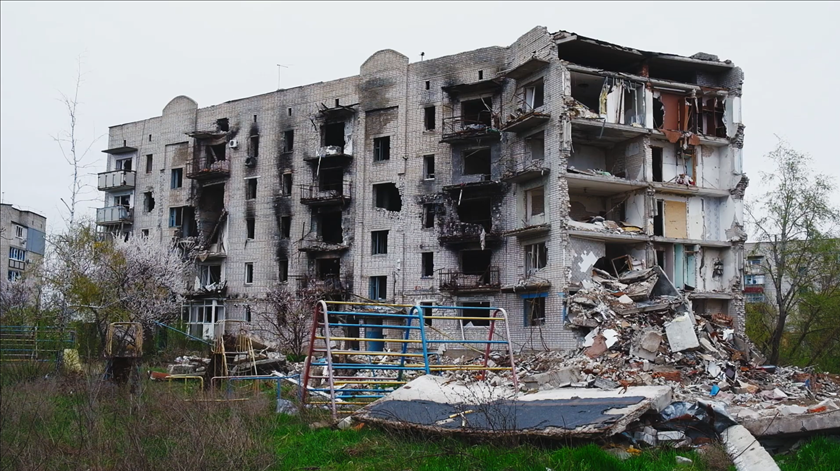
[[536, 146], [755, 261], [428, 167], [289, 140], [381, 148], [148, 201], [285, 226], [429, 118], [123, 164], [378, 242], [536, 257], [754, 298], [250, 188], [209, 274], [254, 144], [427, 312], [481, 313], [477, 162], [326, 268], [479, 111], [534, 95], [656, 152], [754, 280], [535, 202], [177, 180], [476, 211], [176, 217], [286, 187], [587, 90], [378, 288], [428, 85], [429, 211], [330, 227], [334, 134], [144, 233], [535, 311], [481, 75], [659, 219], [223, 124], [216, 152], [477, 263], [122, 200], [250, 226], [249, 272], [387, 196], [149, 163], [428, 264], [331, 179], [283, 271]]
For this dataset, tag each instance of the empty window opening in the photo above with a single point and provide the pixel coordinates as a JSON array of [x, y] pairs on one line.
[[289, 111], [326, 268], [331, 179], [334, 134], [209, 274], [177, 180], [381, 148], [481, 75], [250, 227], [480, 313], [285, 226], [124, 143], [148, 201], [428, 85], [144, 232], [250, 188], [378, 288], [149, 163], [536, 257], [535, 201], [658, 113], [379, 242], [660, 259], [216, 153], [286, 186], [387, 196], [657, 163], [477, 262], [478, 111], [477, 211], [535, 311], [249, 273], [659, 219], [427, 264], [587, 90], [536, 146], [429, 211], [223, 124], [289, 140], [429, 118], [336, 102], [477, 162], [330, 227], [428, 167], [123, 164], [283, 271], [427, 312], [255, 145], [150, 138], [534, 95], [255, 118]]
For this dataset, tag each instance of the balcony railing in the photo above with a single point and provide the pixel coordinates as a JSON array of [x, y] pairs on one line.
[[330, 283], [459, 130], [114, 215], [522, 167], [458, 281], [324, 194], [454, 233], [116, 180], [204, 168]]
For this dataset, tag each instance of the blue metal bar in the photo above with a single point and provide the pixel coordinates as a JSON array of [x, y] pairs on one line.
[[366, 314], [425, 344], [373, 326]]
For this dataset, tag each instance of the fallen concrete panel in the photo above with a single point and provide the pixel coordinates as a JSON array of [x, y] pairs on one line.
[[745, 451], [435, 404], [799, 424]]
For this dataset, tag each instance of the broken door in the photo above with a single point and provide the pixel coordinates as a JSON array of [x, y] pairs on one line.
[[675, 219]]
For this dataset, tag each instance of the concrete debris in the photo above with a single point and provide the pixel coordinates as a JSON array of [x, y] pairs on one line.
[[681, 335], [683, 460], [745, 451]]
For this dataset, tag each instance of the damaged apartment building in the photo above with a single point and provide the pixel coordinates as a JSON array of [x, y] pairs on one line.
[[496, 177]]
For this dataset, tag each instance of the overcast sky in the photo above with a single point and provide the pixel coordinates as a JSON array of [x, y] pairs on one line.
[[138, 56]]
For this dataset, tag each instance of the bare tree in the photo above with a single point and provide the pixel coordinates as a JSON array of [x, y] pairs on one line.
[[70, 146], [791, 221], [288, 317]]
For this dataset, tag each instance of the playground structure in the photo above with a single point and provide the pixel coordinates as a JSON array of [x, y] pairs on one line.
[[345, 383]]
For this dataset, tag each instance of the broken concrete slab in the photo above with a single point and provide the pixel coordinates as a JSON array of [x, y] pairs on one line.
[[429, 402], [823, 422], [556, 378], [745, 451], [681, 334]]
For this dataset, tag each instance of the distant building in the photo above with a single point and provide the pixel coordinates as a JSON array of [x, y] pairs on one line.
[[22, 239], [494, 177]]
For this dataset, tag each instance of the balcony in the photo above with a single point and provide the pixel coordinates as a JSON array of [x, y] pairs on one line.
[[458, 130], [325, 194], [116, 180], [458, 282], [521, 168], [113, 215], [324, 284], [313, 245], [205, 168], [458, 233], [330, 156]]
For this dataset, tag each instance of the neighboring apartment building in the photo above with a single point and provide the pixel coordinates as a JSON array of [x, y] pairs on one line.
[[495, 177], [22, 239]]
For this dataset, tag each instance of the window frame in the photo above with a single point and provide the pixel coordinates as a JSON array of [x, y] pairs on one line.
[[382, 153], [379, 242], [249, 273]]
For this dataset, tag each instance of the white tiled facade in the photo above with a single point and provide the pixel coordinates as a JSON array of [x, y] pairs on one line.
[[388, 99]]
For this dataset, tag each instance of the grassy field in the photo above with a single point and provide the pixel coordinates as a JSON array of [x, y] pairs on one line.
[[83, 423]]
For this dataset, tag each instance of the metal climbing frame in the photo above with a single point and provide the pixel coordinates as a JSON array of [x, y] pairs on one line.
[[350, 385]]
